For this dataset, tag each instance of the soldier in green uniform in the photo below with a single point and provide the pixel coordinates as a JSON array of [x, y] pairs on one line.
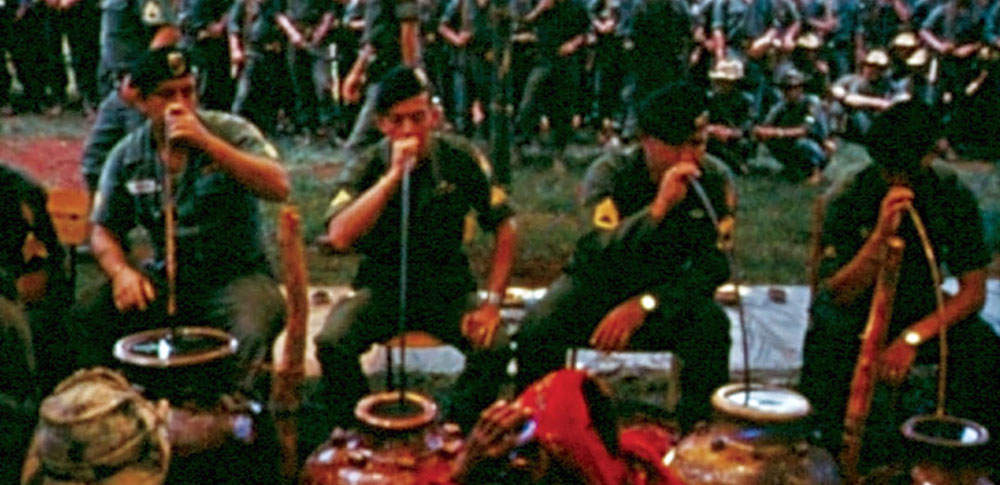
[[220, 166], [731, 116], [645, 276], [33, 292], [861, 213], [32, 274], [449, 177], [794, 129]]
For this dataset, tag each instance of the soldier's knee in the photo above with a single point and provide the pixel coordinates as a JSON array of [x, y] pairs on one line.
[[331, 339]]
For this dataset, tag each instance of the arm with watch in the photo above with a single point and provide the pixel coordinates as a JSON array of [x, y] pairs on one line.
[[897, 358], [706, 272], [850, 283], [481, 324]]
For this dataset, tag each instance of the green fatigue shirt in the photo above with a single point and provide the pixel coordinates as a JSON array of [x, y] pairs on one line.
[[950, 213], [628, 253], [219, 234], [454, 178], [806, 112]]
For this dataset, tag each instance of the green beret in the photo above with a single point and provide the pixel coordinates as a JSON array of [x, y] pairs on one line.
[[669, 114], [399, 84], [159, 65]]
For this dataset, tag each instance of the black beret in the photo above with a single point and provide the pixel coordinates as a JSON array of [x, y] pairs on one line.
[[399, 84], [669, 114], [159, 65], [901, 136]]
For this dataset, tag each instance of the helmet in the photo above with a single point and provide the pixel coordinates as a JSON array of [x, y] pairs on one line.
[[95, 428]]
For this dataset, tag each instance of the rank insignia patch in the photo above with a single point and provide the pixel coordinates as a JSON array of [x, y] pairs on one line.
[[497, 196], [176, 63], [606, 215]]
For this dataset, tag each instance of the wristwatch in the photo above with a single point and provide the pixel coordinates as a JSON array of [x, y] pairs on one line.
[[493, 298], [912, 338], [648, 302]]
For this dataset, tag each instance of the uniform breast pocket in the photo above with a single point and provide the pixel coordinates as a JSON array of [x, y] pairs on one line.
[[216, 196]]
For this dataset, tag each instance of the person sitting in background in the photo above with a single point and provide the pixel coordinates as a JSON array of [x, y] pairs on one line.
[[794, 129], [866, 94], [730, 112]]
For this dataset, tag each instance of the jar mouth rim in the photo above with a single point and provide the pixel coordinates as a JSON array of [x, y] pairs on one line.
[[967, 433], [374, 410], [225, 345], [760, 403]]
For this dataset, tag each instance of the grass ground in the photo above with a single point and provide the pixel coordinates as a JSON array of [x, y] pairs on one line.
[[772, 234]]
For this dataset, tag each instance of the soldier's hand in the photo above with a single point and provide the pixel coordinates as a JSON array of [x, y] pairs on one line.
[[404, 155], [618, 326], [965, 51], [237, 58], [131, 290], [351, 90], [480, 325], [674, 186], [495, 433], [890, 213], [463, 38], [895, 361], [569, 47], [183, 128]]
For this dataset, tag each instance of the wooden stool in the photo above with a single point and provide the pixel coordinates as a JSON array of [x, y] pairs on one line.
[[69, 210], [415, 339], [673, 377]]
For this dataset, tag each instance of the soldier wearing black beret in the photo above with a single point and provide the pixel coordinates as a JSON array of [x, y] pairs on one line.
[[862, 212], [645, 276], [449, 178], [220, 167]]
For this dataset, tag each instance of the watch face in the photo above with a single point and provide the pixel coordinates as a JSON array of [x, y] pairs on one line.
[[648, 302], [912, 338]]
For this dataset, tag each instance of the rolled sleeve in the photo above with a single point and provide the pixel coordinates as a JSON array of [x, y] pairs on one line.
[[967, 251], [359, 174], [488, 199], [113, 207]]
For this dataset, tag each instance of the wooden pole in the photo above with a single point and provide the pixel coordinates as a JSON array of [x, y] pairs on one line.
[[290, 371], [865, 371]]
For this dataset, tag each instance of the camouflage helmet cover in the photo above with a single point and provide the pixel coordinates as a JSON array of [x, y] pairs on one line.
[[95, 428]]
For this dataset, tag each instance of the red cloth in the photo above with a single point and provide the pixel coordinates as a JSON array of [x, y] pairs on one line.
[[565, 429]]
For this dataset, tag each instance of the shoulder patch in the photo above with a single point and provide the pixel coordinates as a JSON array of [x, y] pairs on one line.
[[33, 248], [726, 229], [497, 196], [469, 228], [606, 215]]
